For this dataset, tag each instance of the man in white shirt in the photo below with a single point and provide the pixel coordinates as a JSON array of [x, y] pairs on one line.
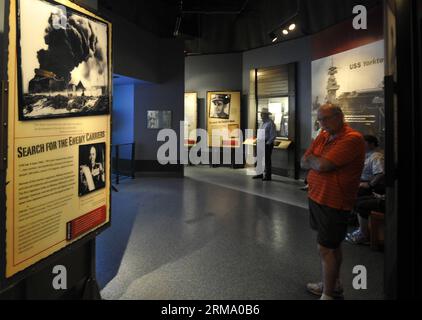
[[373, 172], [270, 130]]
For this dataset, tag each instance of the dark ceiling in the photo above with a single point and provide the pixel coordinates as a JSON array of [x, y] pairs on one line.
[[216, 26]]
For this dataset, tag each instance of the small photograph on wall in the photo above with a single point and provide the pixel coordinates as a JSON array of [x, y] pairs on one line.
[[63, 62], [92, 174], [354, 80], [220, 106], [158, 119]]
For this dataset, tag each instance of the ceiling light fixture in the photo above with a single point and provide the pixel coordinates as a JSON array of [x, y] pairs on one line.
[[273, 37], [290, 27]]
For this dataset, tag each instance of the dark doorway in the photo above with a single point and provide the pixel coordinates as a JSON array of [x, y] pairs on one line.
[[403, 246]]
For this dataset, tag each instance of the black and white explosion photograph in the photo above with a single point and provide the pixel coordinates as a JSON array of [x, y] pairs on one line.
[[64, 67]]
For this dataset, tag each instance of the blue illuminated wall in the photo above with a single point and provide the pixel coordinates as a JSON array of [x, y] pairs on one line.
[[123, 117]]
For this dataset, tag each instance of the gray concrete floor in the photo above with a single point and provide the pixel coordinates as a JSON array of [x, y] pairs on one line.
[[217, 234]]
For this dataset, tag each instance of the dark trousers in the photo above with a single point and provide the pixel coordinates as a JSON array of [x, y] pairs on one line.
[[365, 205], [363, 192], [268, 164]]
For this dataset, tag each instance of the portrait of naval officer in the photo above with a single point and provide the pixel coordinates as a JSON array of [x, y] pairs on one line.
[[220, 106], [92, 173]]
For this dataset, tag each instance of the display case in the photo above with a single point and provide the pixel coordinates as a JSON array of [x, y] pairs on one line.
[[274, 88], [279, 108]]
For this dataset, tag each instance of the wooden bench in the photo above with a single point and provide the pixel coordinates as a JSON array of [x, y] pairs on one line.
[[376, 227]]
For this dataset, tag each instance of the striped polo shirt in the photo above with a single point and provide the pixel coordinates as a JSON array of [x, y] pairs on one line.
[[337, 189]]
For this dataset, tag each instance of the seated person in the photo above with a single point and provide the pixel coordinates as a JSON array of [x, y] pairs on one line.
[[371, 195], [364, 206], [372, 179]]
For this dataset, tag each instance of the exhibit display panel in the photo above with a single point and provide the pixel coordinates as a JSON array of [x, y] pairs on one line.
[[223, 119], [58, 168], [191, 118], [353, 79]]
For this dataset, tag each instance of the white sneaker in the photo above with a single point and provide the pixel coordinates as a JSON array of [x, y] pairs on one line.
[[318, 290], [357, 237]]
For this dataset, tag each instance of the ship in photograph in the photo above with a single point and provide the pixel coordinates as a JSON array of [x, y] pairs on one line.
[[63, 63]]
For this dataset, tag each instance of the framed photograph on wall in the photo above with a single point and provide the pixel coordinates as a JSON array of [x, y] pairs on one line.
[[158, 119], [63, 62]]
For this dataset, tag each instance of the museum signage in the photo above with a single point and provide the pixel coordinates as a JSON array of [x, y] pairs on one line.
[[58, 169]]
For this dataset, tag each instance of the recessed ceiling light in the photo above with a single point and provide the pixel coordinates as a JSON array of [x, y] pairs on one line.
[[275, 39], [285, 32], [292, 27]]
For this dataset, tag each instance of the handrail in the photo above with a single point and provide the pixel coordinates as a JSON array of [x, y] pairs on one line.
[[117, 160]]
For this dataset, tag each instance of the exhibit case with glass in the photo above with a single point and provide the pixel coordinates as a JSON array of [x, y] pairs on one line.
[[274, 88], [279, 109]]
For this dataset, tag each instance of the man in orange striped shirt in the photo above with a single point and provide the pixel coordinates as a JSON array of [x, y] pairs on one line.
[[335, 160]]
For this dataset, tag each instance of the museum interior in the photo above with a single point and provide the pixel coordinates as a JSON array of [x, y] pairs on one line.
[[191, 149]]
